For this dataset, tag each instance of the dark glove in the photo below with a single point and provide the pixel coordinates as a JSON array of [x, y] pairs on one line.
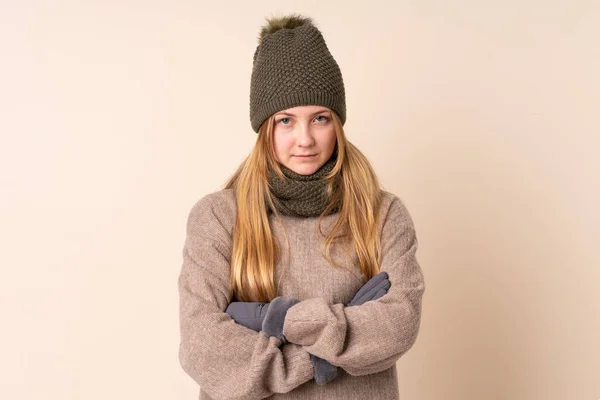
[[248, 314], [275, 316], [375, 288], [324, 371]]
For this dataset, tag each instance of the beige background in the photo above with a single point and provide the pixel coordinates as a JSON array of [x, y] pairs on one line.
[[117, 116]]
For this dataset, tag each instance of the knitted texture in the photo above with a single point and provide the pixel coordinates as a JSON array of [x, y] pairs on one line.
[[293, 67], [230, 361], [302, 195]]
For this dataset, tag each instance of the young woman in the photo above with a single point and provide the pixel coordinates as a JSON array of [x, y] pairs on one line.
[[299, 278]]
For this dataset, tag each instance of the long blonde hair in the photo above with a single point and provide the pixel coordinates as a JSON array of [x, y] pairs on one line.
[[255, 251]]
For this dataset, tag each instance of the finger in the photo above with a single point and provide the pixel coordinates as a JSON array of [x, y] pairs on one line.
[[367, 295], [352, 303], [247, 314], [373, 282], [372, 295], [252, 323], [241, 309], [263, 309], [380, 293]]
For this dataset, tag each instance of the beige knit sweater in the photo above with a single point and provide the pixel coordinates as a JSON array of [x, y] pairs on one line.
[[230, 361]]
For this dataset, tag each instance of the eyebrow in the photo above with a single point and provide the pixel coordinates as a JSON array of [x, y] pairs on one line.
[[292, 115]]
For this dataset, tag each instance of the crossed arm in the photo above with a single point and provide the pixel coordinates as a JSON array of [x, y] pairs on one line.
[[229, 360], [270, 317]]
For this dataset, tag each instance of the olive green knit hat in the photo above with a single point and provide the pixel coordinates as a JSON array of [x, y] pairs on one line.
[[293, 67]]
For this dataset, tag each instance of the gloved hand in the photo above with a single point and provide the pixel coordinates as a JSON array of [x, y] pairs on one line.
[[275, 317], [266, 317], [375, 288], [325, 372], [248, 314], [252, 315]]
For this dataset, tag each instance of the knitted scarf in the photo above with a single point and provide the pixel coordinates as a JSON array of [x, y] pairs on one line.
[[302, 195]]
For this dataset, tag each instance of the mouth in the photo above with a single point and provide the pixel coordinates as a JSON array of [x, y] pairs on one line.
[[306, 156]]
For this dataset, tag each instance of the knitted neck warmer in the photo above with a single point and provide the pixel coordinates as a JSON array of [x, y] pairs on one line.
[[301, 195]]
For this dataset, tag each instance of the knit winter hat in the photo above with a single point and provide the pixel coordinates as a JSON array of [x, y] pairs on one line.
[[293, 67]]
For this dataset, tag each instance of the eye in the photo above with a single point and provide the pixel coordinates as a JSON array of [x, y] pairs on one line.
[[324, 118], [284, 121]]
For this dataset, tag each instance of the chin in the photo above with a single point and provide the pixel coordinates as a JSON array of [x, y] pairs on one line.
[[306, 169]]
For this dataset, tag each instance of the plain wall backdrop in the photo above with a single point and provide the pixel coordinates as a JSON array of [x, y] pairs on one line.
[[117, 116]]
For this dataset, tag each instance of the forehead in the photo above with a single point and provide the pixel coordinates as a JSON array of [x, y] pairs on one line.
[[303, 110]]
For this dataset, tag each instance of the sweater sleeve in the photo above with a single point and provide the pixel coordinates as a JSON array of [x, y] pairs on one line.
[[228, 360], [371, 337]]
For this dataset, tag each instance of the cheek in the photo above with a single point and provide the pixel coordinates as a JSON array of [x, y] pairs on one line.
[[331, 139], [282, 144]]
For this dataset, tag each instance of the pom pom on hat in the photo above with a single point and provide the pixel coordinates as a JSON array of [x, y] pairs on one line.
[[278, 23]]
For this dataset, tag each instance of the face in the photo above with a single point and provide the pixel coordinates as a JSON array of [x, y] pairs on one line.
[[304, 138]]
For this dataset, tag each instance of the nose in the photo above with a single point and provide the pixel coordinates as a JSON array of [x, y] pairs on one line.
[[305, 136]]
